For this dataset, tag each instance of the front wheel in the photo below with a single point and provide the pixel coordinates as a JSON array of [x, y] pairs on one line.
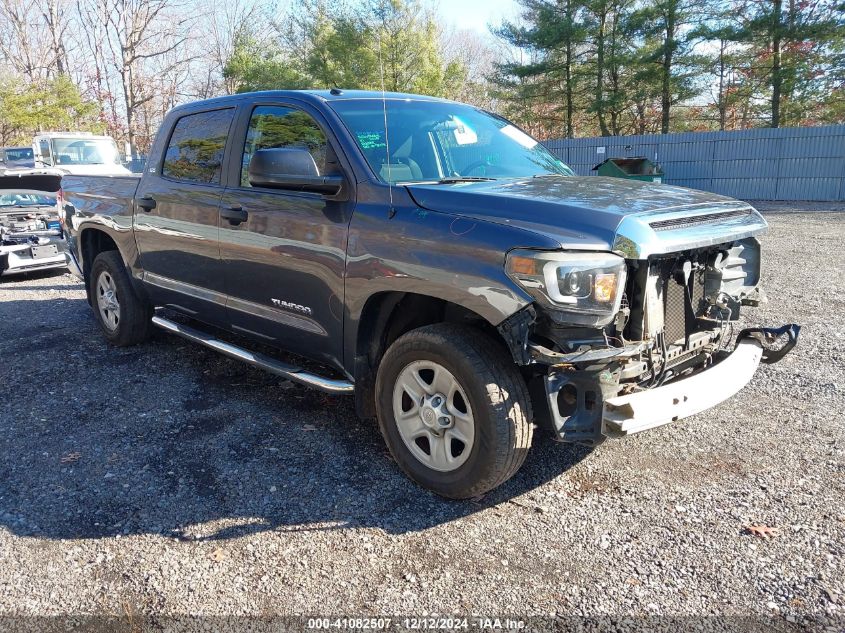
[[124, 317], [453, 409]]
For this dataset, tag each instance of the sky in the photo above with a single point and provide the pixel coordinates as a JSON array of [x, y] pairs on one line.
[[476, 14]]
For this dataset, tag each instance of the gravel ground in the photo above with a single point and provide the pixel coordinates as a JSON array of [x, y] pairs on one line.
[[165, 479]]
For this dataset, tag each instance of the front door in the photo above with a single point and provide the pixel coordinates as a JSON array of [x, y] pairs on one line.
[[284, 253], [177, 218]]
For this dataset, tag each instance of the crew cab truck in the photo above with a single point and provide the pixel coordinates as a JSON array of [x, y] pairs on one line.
[[438, 263]]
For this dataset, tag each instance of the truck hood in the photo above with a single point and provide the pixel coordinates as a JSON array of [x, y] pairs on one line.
[[634, 218], [30, 180]]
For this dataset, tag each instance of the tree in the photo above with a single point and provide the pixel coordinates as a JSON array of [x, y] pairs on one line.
[[389, 43], [407, 41], [601, 13], [563, 68], [56, 21], [135, 34], [556, 31], [260, 65], [665, 27], [221, 31], [35, 37], [799, 47], [44, 105], [472, 56]]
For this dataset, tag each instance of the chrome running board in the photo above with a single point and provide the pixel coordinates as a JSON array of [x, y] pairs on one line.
[[296, 374]]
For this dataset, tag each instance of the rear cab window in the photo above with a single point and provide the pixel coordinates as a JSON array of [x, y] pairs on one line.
[[195, 150]]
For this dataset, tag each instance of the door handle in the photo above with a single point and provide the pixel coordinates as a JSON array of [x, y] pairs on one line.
[[235, 214], [147, 203]]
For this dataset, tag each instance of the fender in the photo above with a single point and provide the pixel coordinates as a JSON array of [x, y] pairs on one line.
[[445, 256]]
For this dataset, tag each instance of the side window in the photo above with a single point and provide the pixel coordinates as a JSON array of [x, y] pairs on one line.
[[195, 150], [277, 126], [44, 146]]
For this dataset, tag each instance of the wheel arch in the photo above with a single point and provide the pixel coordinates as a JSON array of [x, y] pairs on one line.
[[385, 317], [94, 240]]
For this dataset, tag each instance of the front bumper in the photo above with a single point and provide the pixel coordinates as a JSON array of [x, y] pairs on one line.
[[614, 416], [18, 258], [634, 412]]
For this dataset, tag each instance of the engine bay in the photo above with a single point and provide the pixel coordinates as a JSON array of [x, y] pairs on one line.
[[20, 225], [676, 318], [31, 233], [682, 307]]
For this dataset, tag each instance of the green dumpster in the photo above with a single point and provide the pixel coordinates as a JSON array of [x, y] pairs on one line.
[[638, 168]]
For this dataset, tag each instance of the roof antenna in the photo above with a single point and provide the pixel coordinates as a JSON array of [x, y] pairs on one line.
[[391, 211]]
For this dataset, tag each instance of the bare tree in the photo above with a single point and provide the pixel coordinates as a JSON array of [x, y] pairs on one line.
[[21, 35], [56, 21], [96, 76], [138, 33], [35, 38], [476, 54], [219, 31]]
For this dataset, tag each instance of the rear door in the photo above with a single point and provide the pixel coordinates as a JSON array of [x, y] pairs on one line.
[[284, 263], [177, 217]]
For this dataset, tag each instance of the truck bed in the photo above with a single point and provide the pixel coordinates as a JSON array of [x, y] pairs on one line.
[[100, 187]]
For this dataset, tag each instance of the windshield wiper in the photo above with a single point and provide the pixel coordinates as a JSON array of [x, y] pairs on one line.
[[454, 179]]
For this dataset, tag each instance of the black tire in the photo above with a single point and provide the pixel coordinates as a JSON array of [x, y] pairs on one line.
[[134, 324], [497, 395]]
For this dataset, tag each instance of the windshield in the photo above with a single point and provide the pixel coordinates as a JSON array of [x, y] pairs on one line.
[[85, 151], [433, 140], [18, 153], [25, 200]]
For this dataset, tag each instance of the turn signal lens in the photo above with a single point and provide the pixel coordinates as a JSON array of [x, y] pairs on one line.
[[604, 287], [522, 265]]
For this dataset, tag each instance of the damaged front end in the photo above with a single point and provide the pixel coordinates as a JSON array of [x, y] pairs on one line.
[[663, 349], [31, 233]]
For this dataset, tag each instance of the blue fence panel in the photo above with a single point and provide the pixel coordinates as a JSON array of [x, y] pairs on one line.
[[759, 164]]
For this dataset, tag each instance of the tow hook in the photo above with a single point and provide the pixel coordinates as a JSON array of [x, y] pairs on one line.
[[767, 337]]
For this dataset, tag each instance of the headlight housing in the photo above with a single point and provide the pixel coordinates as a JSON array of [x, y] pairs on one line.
[[584, 288]]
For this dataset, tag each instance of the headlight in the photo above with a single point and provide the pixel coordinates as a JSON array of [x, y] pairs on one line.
[[586, 287]]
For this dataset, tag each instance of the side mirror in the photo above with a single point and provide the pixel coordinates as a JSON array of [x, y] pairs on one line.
[[291, 169]]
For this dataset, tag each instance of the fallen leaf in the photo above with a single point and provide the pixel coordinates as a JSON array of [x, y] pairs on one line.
[[217, 555], [763, 531], [69, 458]]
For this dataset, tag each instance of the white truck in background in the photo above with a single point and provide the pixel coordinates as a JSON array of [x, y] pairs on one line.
[[78, 154]]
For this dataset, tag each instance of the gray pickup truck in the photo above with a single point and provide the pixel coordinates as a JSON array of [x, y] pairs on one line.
[[433, 261]]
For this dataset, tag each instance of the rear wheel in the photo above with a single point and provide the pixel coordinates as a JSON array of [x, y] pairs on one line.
[[453, 409], [124, 317]]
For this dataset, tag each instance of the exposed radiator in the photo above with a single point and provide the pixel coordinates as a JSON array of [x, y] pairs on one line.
[[664, 303]]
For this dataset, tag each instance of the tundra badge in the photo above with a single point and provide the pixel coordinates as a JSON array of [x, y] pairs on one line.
[[287, 305]]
